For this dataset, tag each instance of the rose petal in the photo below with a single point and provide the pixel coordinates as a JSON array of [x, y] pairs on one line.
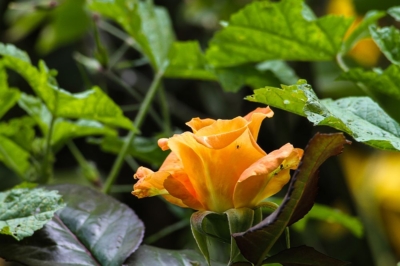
[[163, 144], [177, 189], [266, 176], [150, 185], [221, 133], [196, 123], [256, 117], [214, 172]]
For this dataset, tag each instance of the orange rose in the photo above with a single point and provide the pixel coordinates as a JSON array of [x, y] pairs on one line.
[[219, 166]]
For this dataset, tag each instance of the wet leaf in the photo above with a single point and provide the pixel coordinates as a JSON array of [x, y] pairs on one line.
[[360, 117], [23, 211], [286, 30], [94, 229]]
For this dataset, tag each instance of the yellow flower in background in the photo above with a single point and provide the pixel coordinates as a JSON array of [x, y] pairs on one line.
[[219, 166], [365, 52]]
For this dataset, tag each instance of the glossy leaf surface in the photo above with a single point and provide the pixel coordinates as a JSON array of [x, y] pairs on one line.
[[94, 229], [360, 117]]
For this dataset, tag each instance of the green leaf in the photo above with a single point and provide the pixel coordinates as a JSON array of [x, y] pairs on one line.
[[148, 255], [23, 211], [13, 156], [304, 256], [233, 78], [37, 110], [67, 23], [12, 51], [388, 41], [280, 69], [144, 149], [359, 117], [256, 242], [386, 82], [65, 130], [20, 131], [394, 12], [92, 104], [8, 99], [94, 229], [362, 30], [186, 60], [150, 26], [264, 30]]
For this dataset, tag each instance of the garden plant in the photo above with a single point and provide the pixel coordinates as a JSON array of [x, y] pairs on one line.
[[139, 132]]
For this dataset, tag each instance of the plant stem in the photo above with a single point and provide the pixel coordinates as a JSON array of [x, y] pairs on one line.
[[137, 123], [165, 111], [166, 231], [132, 162], [135, 95], [46, 171]]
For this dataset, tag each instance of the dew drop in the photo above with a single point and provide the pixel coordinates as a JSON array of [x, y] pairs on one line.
[[286, 102]]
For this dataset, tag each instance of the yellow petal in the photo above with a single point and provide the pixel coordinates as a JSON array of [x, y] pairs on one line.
[[177, 189], [266, 177], [163, 144], [255, 119], [213, 173], [221, 133], [196, 123], [150, 185]]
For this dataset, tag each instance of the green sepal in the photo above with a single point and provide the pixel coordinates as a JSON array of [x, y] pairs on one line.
[[196, 224], [239, 221]]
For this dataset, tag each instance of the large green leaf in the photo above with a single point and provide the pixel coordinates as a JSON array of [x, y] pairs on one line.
[[23, 211], [186, 60], [37, 110], [386, 82], [145, 149], [8, 99], [94, 229], [256, 242], [286, 30], [92, 104], [359, 117], [388, 40], [65, 130], [19, 130], [304, 256], [148, 255], [150, 26], [13, 156]]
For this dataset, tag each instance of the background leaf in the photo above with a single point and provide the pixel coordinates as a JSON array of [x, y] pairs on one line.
[[94, 229], [20, 130], [150, 26], [8, 99], [265, 31], [13, 156], [360, 117], [23, 211], [256, 242], [386, 82], [388, 40]]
